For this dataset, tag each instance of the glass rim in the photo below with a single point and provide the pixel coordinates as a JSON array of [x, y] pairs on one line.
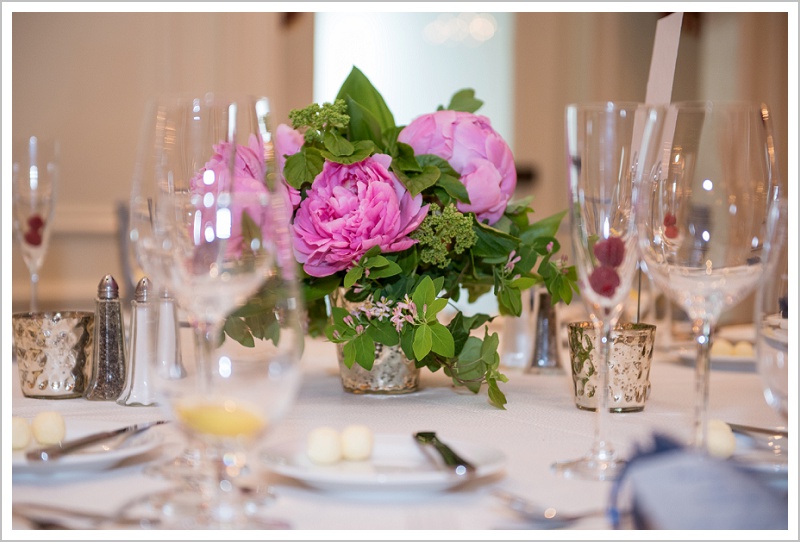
[[620, 326]]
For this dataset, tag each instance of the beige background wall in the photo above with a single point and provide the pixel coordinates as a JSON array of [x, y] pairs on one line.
[[85, 77]]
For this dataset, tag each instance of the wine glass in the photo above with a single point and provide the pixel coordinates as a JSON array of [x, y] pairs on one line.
[[609, 147], [209, 222], [771, 319], [35, 179], [706, 218]]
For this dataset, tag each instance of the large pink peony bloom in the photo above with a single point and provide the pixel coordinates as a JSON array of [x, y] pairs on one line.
[[287, 142], [350, 209], [470, 144], [248, 180]]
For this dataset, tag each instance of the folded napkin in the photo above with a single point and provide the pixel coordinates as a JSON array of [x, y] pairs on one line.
[[675, 488]]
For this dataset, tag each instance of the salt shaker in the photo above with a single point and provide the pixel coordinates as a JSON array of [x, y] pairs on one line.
[[144, 326], [168, 344], [108, 356], [544, 326]]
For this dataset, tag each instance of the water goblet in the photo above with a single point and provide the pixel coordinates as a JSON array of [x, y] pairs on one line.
[[771, 320], [707, 218], [35, 179], [610, 146], [208, 222]]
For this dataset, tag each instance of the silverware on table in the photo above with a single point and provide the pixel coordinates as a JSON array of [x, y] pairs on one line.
[[746, 429], [51, 453], [541, 516], [460, 465]]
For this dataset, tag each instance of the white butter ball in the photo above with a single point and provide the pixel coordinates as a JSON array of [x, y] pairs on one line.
[[20, 433], [744, 349], [356, 442], [721, 347], [721, 442], [324, 446], [48, 427]]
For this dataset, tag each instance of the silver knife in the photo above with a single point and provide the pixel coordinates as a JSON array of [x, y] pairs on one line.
[[50, 453], [739, 428]]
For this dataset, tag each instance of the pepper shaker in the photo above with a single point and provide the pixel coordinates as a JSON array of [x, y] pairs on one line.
[[108, 356], [144, 326]]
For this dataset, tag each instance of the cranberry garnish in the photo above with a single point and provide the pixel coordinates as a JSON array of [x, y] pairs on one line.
[[604, 280], [610, 251]]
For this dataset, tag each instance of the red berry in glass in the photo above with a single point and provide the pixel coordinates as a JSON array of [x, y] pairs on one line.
[[35, 222], [669, 219], [671, 232], [610, 251], [33, 238], [604, 280]]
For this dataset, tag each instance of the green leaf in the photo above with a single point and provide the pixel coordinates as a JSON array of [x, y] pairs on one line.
[[405, 160], [465, 100], [547, 227], [338, 145], [364, 348], [376, 261], [362, 149], [363, 124], [454, 188], [435, 307], [383, 332], [358, 87], [442, 341], [389, 270], [496, 397], [423, 341], [492, 243], [237, 330], [302, 167], [415, 183], [352, 276], [424, 293]]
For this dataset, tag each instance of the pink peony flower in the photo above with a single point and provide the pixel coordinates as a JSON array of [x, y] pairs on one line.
[[478, 153], [248, 178], [287, 142], [350, 209]]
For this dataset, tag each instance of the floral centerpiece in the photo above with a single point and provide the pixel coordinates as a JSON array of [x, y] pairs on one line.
[[403, 219]]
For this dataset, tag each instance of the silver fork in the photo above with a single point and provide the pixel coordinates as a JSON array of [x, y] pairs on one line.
[[542, 516]]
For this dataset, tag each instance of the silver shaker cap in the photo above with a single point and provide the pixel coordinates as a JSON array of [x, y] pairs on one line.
[[108, 288], [142, 290]]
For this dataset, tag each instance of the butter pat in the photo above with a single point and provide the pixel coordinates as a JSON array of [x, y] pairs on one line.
[[744, 349], [323, 446], [721, 347], [356, 442], [721, 442], [20, 433], [48, 427]]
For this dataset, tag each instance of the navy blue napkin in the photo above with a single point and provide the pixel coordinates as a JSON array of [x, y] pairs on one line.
[[672, 487]]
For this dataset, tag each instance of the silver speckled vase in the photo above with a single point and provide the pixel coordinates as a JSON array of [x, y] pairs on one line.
[[392, 372]]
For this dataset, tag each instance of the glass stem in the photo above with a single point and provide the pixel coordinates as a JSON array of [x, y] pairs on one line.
[[206, 341], [34, 292], [602, 448], [703, 335]]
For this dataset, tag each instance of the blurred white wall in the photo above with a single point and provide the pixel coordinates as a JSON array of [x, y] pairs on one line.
[[84, 77]]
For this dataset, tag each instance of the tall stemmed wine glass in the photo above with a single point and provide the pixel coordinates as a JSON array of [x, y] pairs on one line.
[[706, 218], [35, 179], [771, 319], [610, 146], [209, 222]]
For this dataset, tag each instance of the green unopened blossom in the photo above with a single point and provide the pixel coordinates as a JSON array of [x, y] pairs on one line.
[[442, 233]]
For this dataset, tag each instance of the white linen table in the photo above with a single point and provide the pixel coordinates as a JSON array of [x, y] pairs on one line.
[[541, 425]]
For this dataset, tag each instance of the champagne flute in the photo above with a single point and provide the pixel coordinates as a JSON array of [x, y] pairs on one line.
[[609, 147], [208, 222], [707, 218], [35, 179]]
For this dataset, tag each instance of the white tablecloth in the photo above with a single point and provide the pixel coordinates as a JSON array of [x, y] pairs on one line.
[[541, 425]]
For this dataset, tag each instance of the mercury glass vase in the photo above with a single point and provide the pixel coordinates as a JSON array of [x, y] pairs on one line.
[[392, 372]]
